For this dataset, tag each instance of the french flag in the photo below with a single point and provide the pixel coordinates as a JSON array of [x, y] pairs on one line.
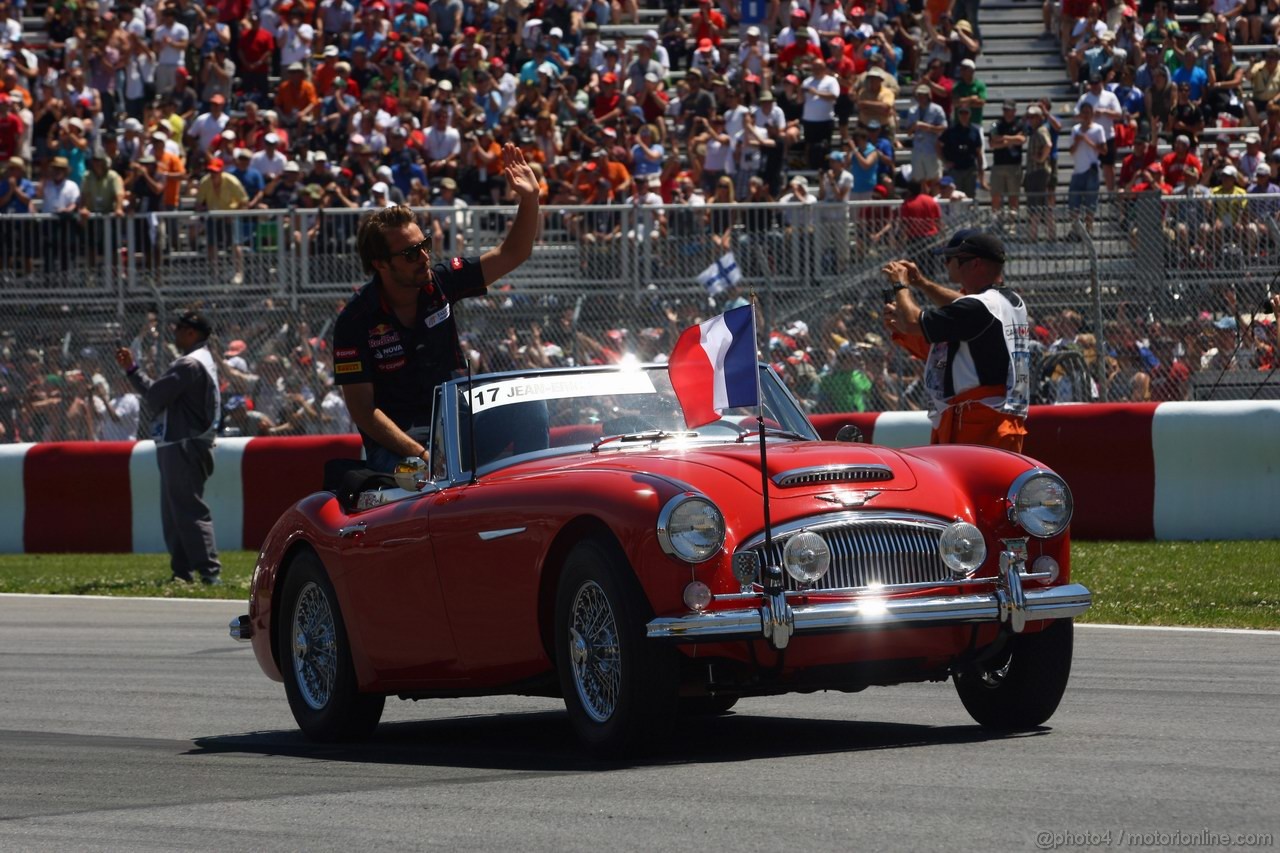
[[713, 366]]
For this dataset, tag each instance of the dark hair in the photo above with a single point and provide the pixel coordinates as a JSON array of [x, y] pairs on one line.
[[371, 239]]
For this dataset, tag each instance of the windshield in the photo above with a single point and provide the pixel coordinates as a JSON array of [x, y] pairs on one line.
[[604, 409]]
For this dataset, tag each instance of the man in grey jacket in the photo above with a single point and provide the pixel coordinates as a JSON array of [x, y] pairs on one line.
[[186, 403]]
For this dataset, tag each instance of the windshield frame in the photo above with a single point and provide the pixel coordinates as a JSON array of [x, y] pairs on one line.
[[450, 419]]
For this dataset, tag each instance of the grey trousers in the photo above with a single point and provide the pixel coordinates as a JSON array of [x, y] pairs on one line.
[[184, 516]]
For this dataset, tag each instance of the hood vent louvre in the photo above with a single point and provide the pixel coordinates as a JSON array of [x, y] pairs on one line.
[[834, 474]]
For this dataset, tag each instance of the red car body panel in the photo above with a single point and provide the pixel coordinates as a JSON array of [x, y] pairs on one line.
[[430, 605]]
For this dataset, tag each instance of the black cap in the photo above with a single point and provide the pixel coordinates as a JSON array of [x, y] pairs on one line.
[[195, 320], [973, 241]]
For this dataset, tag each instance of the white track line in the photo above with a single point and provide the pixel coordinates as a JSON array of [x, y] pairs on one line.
[[244, 601], [1245, 631]]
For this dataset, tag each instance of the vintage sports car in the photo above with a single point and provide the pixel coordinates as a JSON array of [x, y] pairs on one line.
[[572, 538]]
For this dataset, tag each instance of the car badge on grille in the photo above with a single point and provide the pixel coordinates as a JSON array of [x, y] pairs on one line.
[[848, 499]]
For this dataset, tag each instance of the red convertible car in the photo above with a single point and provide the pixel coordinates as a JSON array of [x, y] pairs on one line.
[[572, 538]]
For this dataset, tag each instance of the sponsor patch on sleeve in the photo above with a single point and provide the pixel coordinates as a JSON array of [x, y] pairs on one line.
[[347, 367], [456, 263], [345, 353]]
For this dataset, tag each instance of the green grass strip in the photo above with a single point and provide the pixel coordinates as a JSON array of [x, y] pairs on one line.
[[1205, 584]]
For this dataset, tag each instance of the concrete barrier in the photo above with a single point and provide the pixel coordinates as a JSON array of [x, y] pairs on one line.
[[1166, 471]]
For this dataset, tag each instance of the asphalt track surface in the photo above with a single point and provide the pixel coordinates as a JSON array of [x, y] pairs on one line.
[[139, 725]]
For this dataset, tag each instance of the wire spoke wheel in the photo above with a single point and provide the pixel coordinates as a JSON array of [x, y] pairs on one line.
[[619, 689], [315, 659], [597, 661]]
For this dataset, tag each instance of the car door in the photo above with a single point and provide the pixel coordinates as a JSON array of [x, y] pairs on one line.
[[393, 587], [487, 538]]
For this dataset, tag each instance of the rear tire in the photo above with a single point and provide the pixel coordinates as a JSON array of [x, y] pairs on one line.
[[1021, 688], [619, 687], [315, 659]]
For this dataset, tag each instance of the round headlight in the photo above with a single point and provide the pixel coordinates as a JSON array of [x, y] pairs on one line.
[[691, 528], [962, 548], [1040, 503], [806, 557]]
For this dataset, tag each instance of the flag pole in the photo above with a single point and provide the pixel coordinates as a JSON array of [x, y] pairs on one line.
[[771, 575]]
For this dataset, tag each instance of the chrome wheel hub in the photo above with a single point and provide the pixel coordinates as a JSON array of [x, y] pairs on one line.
[[594, 653], [315, 659]]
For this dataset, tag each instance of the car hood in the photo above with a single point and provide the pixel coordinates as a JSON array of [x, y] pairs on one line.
[[806, 466]]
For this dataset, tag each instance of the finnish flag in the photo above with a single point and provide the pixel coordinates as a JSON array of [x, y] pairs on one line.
[[721, 275]]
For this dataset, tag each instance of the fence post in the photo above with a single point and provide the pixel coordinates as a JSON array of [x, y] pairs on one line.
[[304, 258]]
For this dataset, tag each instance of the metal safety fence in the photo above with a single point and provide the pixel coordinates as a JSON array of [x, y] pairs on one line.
[[1131, 297]]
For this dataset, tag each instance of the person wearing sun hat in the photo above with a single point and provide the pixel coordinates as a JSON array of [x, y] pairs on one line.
[[973, 338]]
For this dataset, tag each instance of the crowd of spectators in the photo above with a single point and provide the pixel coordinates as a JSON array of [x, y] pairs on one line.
[[164, 105], [276, 369]]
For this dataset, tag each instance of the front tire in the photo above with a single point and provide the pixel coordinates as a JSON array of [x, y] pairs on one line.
[[315, 659], [619, 687], [1021, 687]]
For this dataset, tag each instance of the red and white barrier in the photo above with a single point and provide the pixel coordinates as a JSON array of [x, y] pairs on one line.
[[1142, 471], [1166, 471]]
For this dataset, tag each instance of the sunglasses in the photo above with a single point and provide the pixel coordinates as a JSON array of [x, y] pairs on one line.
[[412, 252]]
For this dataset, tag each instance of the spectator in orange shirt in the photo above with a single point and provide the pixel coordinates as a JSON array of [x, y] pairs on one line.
[[296, 98], [618, 175], [170, 169]]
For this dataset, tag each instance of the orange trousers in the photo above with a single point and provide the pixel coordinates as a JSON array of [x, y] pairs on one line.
[[971, 422]]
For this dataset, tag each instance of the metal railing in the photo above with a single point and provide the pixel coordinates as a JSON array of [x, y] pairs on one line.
[[1163, 286]]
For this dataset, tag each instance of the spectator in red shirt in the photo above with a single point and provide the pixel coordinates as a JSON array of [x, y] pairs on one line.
[[1144, 154], [802, 46], [940, 85], [707, 23], [607, 104], [326, 72], [918, 219], [11, 129], [256, 48], [1178, 159]]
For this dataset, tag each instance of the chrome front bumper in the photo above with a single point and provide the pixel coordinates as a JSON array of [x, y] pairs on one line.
[[1009, 603]]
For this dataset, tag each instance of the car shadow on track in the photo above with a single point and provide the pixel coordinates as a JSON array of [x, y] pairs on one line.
[[544, 741]]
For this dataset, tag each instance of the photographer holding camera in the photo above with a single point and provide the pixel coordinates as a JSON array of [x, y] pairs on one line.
[[973, 341]]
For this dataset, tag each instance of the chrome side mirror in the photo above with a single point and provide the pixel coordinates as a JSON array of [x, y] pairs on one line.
[[850, 433]]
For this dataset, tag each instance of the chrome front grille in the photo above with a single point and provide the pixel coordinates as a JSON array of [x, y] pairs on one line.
[[872, 551]]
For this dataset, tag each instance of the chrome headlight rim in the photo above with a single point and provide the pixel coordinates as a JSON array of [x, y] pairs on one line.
[[672, 546], [1016, 515]]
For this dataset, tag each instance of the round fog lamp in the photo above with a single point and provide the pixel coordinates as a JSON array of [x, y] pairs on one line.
[[1046, 565], [697, 596], [962, 548], [806, 557]]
